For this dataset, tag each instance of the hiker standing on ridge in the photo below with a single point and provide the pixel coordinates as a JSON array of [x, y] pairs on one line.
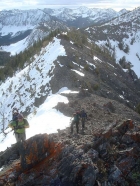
[[83, 116], [75, 120], [19, 126]]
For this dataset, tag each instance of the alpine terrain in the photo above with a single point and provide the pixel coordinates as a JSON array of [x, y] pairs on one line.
[[56, 62]]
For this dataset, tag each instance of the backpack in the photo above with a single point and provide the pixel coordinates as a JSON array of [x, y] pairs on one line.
[[76, 117], [15, 117], [83, 114], [15, 114]]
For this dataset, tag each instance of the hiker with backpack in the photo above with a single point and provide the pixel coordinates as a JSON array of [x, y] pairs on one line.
[[75, 120], [15, 114], [19, 126], [83, 116]]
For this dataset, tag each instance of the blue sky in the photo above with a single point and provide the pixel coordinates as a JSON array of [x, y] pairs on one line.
[[30, 4]]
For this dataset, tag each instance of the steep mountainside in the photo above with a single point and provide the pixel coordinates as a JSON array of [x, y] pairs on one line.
[[122, 37], [15, 25], [107, 151], [101, 75], [63, 63]]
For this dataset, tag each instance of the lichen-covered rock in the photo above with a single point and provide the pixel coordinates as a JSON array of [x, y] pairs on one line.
[[98, 156]]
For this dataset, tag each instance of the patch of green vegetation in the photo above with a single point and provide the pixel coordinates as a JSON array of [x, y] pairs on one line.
[[18, 61]]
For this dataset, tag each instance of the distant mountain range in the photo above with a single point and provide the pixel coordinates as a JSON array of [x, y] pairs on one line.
[[99, 60], [18, 24], [83, 16], [118, 32]]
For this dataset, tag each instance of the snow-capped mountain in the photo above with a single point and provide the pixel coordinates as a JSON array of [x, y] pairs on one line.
[[61, 64], [16, 25], [31, 87], [124, 28], [96, 14], [29, 26], [83, 16], [59, 75], [122, 37], [15, 21]]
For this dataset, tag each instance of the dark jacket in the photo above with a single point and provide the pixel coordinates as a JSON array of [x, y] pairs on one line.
[[15, 117], [76, 117], [83, 114]]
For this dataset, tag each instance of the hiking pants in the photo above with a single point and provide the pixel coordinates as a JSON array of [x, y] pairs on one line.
[[83, 122], [77, 126], [20, 137]]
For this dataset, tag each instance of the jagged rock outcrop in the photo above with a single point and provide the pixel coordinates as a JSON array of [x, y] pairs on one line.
[[106, 153], [106, 158]]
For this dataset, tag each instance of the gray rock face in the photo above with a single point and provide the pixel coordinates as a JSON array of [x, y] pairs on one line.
[[101, 76], [100, 155]]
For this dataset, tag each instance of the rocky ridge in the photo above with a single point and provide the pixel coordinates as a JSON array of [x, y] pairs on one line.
[[120, 36], [102, 76], [106, 153]]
